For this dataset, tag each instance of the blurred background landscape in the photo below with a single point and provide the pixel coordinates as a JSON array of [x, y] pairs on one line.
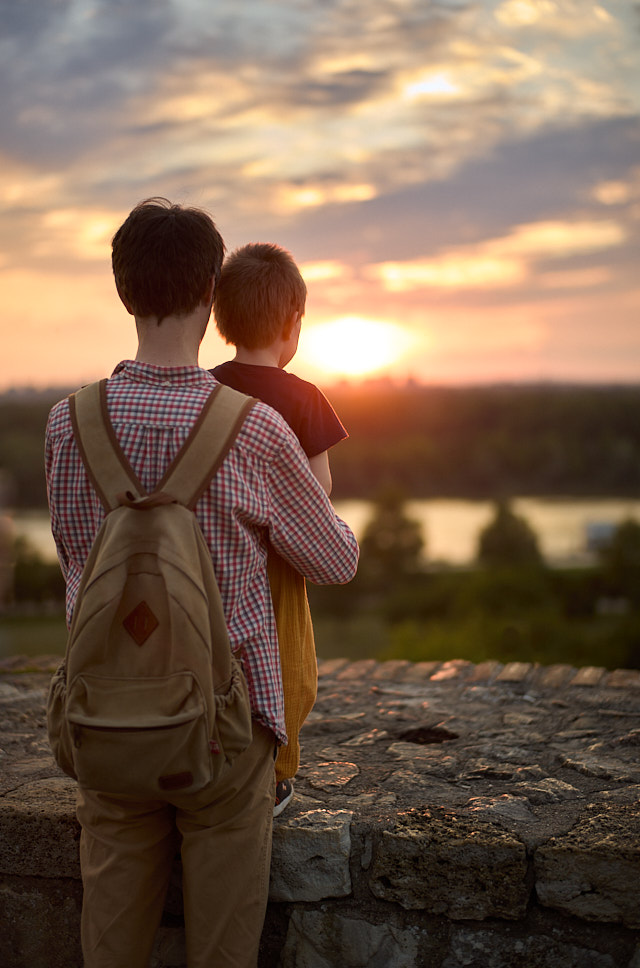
[[498, 522], [460, 184]]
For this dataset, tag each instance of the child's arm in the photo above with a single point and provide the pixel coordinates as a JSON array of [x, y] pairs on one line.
[[320, 466]]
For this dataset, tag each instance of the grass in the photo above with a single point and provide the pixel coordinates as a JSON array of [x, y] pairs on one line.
[[32, 635], [540, 637]]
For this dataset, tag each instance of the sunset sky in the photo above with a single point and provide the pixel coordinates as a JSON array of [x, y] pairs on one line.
[[459, 181]]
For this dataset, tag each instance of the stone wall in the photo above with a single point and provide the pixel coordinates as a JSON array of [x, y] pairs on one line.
[[445, 815]]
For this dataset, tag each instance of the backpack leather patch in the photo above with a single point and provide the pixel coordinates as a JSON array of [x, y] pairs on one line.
[[140, 623]]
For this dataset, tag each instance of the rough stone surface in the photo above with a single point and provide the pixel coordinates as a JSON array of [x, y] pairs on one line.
[[321, 939], [452, 866], [311, 854], [444, 813], [594, 871], [38, 830], [480, 948], [39, 922]]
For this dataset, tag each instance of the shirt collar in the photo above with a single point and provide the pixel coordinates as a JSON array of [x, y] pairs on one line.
[[163, 375]]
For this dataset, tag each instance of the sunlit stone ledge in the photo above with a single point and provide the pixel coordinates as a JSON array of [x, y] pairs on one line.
[[446, 815]]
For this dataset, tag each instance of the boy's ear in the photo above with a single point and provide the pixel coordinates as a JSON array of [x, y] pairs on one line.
[[292, 324]]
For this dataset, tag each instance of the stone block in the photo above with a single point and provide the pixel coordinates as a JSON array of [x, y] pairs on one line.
[[589, 676], [484, 671], [332, 775], [547, 790], [624, 679], [552, 677], [311, 855], [357, 670], [420, 670], [323, 939], [38, 830], [593, 872], [453, 669], [451, 866], [515, 672], [40, 922], [602, 766], [392, 670], [329, 667], [471, 947]]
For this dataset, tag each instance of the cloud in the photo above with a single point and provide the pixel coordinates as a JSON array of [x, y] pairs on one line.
[[619, 191], [276, 93], [564, 18], [323, 271], [470, 155], [65, 82], [451, 271], [499, 262], [78, 233]]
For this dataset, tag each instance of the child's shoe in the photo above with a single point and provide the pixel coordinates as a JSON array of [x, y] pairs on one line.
[[284, 793]]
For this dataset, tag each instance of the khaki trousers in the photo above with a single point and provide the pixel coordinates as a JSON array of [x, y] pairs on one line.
[[127, 849]]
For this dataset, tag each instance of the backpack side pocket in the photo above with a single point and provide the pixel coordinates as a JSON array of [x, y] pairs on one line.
[[232, 730], [57, 727]]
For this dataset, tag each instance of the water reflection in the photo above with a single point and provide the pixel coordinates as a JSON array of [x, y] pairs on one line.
[[450, 527]]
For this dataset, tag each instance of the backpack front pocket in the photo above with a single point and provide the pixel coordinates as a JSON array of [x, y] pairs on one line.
[[139, 737]]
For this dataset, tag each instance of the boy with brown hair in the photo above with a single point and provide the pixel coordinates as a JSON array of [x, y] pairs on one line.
[[258, 305]]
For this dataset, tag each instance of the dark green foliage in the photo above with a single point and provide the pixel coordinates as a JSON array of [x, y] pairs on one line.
[[512, 607], [392, 542], [453, 442], [474, 442], [23, 419], [620, 559], [478, 442], [33, 634], [508, 541], [35, 580]]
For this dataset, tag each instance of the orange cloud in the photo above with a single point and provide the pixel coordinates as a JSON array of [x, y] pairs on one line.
[[500, 262]]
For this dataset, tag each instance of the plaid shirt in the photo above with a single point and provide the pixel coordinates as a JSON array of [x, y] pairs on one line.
[[263, 490]]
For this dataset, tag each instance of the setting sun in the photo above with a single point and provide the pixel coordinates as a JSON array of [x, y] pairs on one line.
[[353, 346]]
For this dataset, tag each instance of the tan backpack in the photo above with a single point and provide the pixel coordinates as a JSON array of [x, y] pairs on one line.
[[149, 699]]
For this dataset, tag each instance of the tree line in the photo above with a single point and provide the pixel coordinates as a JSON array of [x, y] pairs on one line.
[[432, 441], [487, 442], [509, 605]]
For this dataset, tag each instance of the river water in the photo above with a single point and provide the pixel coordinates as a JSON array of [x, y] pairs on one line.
[[450, 527]]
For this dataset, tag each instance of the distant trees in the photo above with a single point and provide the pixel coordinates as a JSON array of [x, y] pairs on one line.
[[30, 579], [510, 606], [620, 561], [23, 419], [392, 543], [478, 442], [508, 540], [474, 442]]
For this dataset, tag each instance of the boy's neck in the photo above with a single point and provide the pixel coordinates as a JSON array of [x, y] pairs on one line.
[[267, 356]]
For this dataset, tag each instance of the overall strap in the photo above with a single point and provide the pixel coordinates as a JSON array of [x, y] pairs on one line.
[[188, 475]]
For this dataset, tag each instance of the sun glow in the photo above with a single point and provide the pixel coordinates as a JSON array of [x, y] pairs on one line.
[[353, 346]]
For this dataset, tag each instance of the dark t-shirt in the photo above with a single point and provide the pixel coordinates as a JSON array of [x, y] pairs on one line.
[[304, 407]]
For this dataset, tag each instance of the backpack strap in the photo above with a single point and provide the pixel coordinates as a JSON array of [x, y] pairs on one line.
[[189, 474], [207, 445], [107, 468]]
